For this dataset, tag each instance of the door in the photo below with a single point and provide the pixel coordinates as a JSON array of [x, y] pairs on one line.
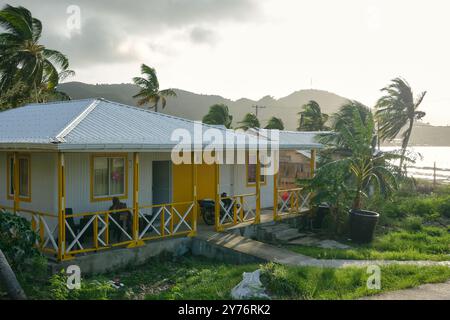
[[162, 182]]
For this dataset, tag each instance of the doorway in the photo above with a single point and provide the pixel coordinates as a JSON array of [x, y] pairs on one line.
[[162, 182]]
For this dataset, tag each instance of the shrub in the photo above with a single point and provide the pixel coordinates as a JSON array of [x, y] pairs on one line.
[[17, 241], [90, 289], [444, 207], [413, 223]]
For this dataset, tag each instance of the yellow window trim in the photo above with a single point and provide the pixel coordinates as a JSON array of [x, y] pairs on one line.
[[108, 155], [9, 156], [252, 184]]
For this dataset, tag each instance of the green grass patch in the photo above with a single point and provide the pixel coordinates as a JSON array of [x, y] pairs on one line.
[[427, 243], [204, 279], [346, 283]]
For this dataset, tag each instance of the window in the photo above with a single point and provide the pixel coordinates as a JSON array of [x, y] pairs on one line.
[[24, 182], [108, 177], [251, 170]]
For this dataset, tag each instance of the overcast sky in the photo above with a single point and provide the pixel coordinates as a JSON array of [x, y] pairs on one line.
[[253, 48]]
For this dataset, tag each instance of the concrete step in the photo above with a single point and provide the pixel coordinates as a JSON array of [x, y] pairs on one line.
[[288, 235], [275, 228]]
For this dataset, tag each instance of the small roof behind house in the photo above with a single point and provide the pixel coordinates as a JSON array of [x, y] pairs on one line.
[[292, 140], [98, 124]]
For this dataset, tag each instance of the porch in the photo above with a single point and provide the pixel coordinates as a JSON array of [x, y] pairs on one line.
[[68, 230]]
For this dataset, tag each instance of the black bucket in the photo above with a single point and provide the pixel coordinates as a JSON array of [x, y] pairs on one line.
[[322, 211], [362, 225]]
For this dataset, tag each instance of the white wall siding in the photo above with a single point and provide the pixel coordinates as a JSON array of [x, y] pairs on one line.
[[78, 193], [240, 186], [227, 178], [3, 183], [78, 181], [44, 187]]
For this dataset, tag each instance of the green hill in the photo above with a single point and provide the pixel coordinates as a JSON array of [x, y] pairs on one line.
[[194, 106]]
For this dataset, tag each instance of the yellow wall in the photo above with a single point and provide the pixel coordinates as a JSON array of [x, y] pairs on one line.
[[182, 182]]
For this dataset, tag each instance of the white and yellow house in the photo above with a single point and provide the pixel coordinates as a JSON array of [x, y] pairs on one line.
[[62, 163]]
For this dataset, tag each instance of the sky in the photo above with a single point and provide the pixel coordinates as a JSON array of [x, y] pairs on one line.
[[254, 48]]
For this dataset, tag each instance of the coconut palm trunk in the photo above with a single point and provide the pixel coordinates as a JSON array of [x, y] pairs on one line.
[[9, 280], [405, 142]]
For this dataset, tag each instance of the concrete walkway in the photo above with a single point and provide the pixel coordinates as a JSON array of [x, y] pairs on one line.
[[431, 291], [267, 252]]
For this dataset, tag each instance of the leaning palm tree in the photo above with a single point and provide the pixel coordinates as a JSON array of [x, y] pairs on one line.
[[149, 92], [344, 120], [275, 123], [22, 57], [218, 115], [363, 167], [312, 118], [396, 110], [250, 121]]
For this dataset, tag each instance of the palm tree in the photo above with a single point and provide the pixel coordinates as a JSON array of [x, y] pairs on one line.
[[343, 120], [22, 57], [149, 92], [398, 109], [312, 118], [218, 115], [250, 121], [275, 123], [362, 167]]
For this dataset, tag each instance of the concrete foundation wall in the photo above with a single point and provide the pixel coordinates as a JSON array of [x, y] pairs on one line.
[[110, 260], [205, 249]]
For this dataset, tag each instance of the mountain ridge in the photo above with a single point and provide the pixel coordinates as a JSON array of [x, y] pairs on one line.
[[194, 106]]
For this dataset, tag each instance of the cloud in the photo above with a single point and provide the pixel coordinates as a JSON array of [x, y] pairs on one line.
[[202, 35], [108, 26]]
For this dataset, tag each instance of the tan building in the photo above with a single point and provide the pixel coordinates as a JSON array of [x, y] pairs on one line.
[[294, 164]]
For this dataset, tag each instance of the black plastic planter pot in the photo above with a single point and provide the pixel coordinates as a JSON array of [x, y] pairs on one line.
[[321, 212], [362, 225]]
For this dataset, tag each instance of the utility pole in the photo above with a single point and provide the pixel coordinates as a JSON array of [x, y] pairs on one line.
[[257, 108], [434, 175]]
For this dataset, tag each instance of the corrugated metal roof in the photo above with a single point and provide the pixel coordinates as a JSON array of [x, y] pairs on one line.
[[93, 124], [39, 123], [301, 140]]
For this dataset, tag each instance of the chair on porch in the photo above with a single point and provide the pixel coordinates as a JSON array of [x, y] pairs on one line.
[[123, 218]]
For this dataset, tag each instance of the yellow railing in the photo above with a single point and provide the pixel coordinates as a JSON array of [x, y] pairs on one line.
[[98, 230], [291, 201], [166, 220], [44, 224], [112, 228], [236, 209]]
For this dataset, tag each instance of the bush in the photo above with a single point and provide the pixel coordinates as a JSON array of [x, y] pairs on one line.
[[17, 241], [90, 289], [444, 207], [413, 223]]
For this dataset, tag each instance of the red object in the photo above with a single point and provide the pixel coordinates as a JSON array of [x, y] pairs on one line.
[[285, 196]]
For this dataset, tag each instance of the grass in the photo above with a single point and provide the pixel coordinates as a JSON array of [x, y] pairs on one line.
[[428, 243], [204, 279], [346, 283]]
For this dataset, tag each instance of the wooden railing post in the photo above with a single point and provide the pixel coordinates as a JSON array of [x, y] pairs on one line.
[[135, 225], [258, 189], [312, 163], [194, 195], [61, 206], [217, 197], [275, 197]]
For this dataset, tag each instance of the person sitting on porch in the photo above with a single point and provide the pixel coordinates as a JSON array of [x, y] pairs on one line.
[[123, 218]]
